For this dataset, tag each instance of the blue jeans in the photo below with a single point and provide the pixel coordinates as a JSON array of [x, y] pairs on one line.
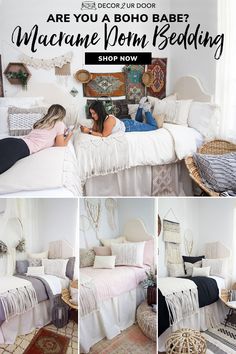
[[137, 125]]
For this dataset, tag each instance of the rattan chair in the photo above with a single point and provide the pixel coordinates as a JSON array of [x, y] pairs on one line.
[[214, 147], [65, 295], [225, 296]]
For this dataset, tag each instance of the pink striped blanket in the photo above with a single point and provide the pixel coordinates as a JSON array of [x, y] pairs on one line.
[[106, 284]]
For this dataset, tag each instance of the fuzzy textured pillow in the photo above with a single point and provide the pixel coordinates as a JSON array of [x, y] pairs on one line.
[[109, 241], [55, 267], [106, 262], [218, 172], [176, 270], [129, 254], [201, 272], [41, 255], [86, 257]]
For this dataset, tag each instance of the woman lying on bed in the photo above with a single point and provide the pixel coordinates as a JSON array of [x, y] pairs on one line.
[[47, 132], [105, 125]]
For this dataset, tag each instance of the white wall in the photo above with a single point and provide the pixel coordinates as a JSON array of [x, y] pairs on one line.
[[186, 213], [180, 62]]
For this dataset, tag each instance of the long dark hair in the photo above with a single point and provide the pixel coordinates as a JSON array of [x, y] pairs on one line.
[[99, 108]]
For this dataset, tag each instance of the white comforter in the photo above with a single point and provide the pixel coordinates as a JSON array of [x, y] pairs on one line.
[[100, 156]]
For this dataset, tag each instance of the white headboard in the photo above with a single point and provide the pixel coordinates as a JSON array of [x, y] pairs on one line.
[[135, 231], [190, 87], [216, 250], [60, 249]]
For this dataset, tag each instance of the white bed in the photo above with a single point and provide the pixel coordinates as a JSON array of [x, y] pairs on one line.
[[40, 315], [116, 313], [156, 157]]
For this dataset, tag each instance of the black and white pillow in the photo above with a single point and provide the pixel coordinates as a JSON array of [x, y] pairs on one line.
[[192, 259]]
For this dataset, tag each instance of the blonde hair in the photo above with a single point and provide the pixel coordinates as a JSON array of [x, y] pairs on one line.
[[55, 113]]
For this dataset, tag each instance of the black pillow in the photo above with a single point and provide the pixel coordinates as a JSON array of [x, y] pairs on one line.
[[190, 259]]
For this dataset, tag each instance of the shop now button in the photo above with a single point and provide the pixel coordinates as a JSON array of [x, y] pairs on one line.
[[117, 58]]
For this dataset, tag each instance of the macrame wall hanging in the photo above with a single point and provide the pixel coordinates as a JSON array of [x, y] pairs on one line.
[[172, 238], [93, 208], [111, 205]]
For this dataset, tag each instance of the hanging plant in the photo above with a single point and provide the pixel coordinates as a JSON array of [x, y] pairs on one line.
[[3, 249], [20, 75], [20, 247]]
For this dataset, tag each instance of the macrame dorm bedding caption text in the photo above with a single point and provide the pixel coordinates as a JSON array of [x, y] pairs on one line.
[[112, 34]]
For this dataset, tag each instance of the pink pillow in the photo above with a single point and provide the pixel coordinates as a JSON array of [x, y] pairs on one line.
[[102, 251], [148, 257]]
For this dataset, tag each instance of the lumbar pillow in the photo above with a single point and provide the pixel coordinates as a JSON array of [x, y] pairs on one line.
[[201, 272], [130, 254], [86, 257], [55, 267], [217, 171], [107, 242], [219, 266], [35, 271], [189, 267], [104, 262], [176, 270]]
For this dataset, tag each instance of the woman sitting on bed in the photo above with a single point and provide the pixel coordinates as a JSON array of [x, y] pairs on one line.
[[105, 125], [47, 132]]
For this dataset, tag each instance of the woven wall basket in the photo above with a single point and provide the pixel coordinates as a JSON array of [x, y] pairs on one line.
[[83, 76], [186, 341]]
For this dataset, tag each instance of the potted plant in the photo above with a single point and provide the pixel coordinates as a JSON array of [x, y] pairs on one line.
[[20, 75], [150, 283]]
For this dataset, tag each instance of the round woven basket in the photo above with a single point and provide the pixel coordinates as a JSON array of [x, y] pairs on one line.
[[83, 76], [186, 341], [148, 78], [146, 320]]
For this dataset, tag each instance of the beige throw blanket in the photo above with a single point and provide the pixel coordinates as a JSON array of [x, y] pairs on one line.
[[17, 296], [181, 297]]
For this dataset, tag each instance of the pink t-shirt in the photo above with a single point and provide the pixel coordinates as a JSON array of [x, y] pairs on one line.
[[39, 139]]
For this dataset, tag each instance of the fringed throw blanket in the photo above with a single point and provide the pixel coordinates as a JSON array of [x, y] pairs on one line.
[[88, 298], [17, 296], [181, 297]]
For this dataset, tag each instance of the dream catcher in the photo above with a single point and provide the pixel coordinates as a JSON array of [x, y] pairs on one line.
[[188, 242], [111, 205], [93, 208]]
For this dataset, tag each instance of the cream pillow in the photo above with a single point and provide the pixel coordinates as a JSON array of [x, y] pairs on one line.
[[219, 266], [176, 270], [159, 116], [108, 241], [201, 272], [41, 255], [189, 267], [35, 271], [104, 262], [55, 267], [129, 254], [176, 112]]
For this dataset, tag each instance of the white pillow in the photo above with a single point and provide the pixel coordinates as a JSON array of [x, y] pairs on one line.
[[176, 112], [40, 255], [35, 271], [108, 241], [219, 266], [104, 262], [55, 267], [4, 121], [23, 102], [189, 267], [130, 254], [176, 270], [201, 272], [204, 117]]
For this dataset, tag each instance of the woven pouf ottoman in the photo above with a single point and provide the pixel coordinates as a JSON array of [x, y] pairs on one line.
[[146, 319], [186, 341]]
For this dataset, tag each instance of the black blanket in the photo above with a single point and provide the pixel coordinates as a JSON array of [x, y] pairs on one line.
[[208, 293]]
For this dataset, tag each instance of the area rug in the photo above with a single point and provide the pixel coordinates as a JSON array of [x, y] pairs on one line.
[[135, 89], [112, 84], [221, 340], [130, 341], [158, 69], [48, 342]]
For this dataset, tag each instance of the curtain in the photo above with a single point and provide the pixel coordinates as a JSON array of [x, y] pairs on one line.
[[226, 70]]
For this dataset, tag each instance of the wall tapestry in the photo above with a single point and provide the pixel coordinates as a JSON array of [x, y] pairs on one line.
[[135, 89], [158, 68], [172, 238], [1, 79], [112, 84]]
